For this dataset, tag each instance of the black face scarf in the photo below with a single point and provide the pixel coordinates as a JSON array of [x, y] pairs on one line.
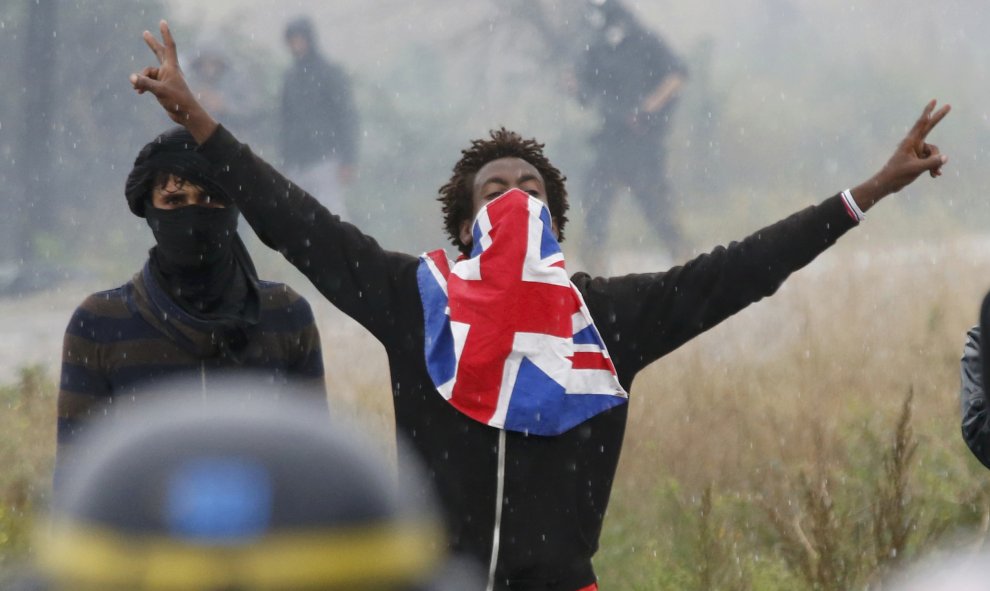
[[199, 261], [193, 238], [203, 266]]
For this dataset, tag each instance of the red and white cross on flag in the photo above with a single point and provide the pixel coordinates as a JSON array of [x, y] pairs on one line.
[[509, 340]]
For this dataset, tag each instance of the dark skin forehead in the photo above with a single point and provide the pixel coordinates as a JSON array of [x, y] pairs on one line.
[[497, 177], [505, 173]]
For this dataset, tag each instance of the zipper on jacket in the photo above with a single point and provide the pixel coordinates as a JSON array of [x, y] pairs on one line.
[[499, 494], [202, 379]]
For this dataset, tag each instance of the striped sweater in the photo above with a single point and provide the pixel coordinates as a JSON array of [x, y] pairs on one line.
[[127, 340]]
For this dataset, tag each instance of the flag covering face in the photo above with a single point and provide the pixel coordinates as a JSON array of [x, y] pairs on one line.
[[509, 340]]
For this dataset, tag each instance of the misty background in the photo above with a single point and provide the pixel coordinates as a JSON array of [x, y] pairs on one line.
[[788, 102]]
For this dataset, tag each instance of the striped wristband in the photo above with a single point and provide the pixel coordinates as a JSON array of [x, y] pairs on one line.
[[851, 207]]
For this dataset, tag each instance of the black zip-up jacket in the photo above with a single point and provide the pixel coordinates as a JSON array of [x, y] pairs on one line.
[[555, 489], [973, 399]]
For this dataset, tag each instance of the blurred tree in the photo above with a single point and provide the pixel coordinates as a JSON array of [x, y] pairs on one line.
[[35, 146], [73, 129], [11, 15]]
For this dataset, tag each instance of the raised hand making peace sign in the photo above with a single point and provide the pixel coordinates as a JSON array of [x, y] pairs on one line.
[[912, 157], [168, 84]]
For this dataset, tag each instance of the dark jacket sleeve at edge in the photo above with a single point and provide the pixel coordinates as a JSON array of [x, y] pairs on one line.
[[973, 399]]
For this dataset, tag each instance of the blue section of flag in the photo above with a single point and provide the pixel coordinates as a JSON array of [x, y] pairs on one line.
[[588, 336], [219, 500], [529, 409], [548, 244], [540, 405], [476, 240], [534, 403], [440, 361]]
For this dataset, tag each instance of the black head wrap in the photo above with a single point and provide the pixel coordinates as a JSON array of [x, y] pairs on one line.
[[217, 285], [175, 152]]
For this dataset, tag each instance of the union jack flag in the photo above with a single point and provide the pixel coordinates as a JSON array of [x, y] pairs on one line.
[[509, 339]]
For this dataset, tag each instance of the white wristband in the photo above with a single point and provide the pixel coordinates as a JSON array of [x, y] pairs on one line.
[[854, 211]]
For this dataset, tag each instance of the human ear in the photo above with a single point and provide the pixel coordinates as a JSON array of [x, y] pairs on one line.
[[465, 235]]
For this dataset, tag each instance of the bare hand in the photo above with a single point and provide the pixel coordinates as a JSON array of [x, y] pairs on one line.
[[912, 157], [168, 84]]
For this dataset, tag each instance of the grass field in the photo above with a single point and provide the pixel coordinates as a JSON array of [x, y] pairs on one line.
[[810, 442]]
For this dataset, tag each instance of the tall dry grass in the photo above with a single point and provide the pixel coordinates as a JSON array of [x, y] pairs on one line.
[[27, 448], [786, 433], [810, 442]]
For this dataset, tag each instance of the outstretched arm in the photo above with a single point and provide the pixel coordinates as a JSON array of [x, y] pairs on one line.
[[661, 311], [168, 84], [912, 157]]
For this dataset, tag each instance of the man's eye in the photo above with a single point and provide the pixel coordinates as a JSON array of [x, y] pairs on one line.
[[491, 196], [533, 192]]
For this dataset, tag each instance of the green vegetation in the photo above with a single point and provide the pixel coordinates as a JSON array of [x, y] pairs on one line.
[[835, 526], [27, 445], [809, 443]]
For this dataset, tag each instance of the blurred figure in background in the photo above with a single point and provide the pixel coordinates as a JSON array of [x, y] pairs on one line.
[[632, 78], [319, 120], [240, 493], [197, 307], [225, 89]]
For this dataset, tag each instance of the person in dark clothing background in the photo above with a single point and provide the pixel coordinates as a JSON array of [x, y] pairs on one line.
[[197, 306], [224, 87], [528, 503], [632, 78], [319, 136]]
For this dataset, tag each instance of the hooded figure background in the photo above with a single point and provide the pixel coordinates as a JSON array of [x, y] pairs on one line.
[[196, 307], [224, 85], [319, 136]]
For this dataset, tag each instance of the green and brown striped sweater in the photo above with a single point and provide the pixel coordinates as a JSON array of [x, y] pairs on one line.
[[125, 341]]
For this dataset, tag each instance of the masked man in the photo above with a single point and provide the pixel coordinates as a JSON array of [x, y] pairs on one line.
[[319, 120], [509, 376], [197, 307]]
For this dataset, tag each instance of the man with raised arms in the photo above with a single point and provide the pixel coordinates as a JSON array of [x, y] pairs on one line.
[[509, 376]]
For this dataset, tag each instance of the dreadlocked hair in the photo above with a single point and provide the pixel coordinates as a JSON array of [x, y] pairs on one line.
[[456, 195]]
